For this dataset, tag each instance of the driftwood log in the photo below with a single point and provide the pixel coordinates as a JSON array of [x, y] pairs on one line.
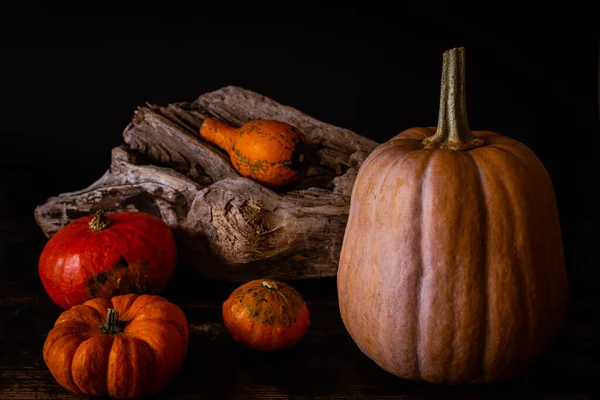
[[227, 226]]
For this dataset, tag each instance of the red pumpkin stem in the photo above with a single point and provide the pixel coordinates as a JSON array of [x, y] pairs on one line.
[[112, 326], [453, 130], [217, 132], [100, 221]]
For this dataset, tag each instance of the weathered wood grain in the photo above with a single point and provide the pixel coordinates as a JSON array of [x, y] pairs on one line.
[[228, 227]]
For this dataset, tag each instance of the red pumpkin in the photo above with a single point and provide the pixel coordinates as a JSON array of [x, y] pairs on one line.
[[107, 255], [266, 315], [127, 347]]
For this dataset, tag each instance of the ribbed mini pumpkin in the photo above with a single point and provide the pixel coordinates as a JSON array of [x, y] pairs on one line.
[[452, 268], [126, 347]]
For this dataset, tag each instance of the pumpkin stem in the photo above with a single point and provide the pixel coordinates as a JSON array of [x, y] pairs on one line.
[[112, 326], [270, 284], [453, 130], [217, 132], [100, 221]]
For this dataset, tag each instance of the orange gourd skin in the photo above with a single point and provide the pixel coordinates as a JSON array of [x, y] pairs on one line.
[[266, 315], [134, 253], [452, 268], [270, 152], [140, 360]]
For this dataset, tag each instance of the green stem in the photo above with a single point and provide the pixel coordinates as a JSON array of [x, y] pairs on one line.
[[100, 221], [453, 130], [112, 326]]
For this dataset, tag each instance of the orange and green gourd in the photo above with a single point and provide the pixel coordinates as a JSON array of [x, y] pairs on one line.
[[273, 153], [266, 315]]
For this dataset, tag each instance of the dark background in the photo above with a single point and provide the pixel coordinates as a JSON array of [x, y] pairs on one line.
[[70, 84]]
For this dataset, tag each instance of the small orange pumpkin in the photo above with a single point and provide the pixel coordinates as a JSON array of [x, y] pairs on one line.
[[270, 152], [266, 315], [126, 347]]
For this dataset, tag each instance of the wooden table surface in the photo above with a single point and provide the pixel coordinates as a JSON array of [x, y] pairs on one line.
[[325, 365]]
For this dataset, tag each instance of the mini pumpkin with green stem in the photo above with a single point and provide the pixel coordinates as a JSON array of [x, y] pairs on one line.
[[129, 346]]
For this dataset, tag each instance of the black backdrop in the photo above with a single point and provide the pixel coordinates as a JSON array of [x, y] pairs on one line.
[[70, 84]]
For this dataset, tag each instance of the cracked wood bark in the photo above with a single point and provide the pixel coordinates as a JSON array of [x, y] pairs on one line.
[[227, 226]]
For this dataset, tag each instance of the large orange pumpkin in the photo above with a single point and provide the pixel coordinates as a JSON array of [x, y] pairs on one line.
[[452, 267], [126, 347]]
